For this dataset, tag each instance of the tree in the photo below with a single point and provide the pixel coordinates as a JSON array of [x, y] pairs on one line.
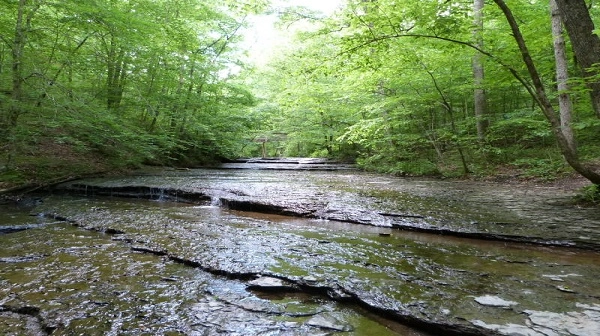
[[586, 43], [538, 92], [25, 14], [394, 82], [479, 99], [128, 81], [419, 27], [562, 77]]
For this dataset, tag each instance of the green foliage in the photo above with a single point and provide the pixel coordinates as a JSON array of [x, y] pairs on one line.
[[523, 128], [389, 83], [124, 82], [589, 194], [544, 168], [11, 176]]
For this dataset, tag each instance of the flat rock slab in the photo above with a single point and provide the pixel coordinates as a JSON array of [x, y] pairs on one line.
[[494, 301], [542, 323], [539, 215], [266, 283], [414, 279], [329, 322], [584, 323]]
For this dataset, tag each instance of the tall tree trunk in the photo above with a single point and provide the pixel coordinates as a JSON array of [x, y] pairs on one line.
[[544, 103], [18, 47], [10, 115], [116, 72], [478, 72], [189, 93], [586, 44], [389, 130], [22, 28], [562, 77], [17, 53], [428, 130]]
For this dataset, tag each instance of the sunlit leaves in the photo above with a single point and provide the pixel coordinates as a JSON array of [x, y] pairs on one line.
[[163, 67], [396, 78]]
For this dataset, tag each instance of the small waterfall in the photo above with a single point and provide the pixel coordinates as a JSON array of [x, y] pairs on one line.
[[158, 194], [215, 201]]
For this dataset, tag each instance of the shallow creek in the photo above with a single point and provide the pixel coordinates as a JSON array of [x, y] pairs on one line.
[[287, 252]]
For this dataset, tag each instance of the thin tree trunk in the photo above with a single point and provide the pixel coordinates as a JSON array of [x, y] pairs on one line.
[[562, 77], [18, 48], [9, 118], [478, 72], [389, 131], [448, 107], [189, 94]]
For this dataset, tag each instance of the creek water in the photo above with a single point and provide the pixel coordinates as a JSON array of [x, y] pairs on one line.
[[178, 253]]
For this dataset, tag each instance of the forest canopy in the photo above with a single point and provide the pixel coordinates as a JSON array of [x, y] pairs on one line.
[[428, 87]]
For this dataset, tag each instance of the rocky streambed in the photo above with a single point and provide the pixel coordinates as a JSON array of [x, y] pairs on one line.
[[249, 251]]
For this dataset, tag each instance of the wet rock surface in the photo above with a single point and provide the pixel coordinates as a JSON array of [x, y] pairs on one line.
[[85, 283], [199, 267], [538, 215], [494, 301], [541, 323]]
